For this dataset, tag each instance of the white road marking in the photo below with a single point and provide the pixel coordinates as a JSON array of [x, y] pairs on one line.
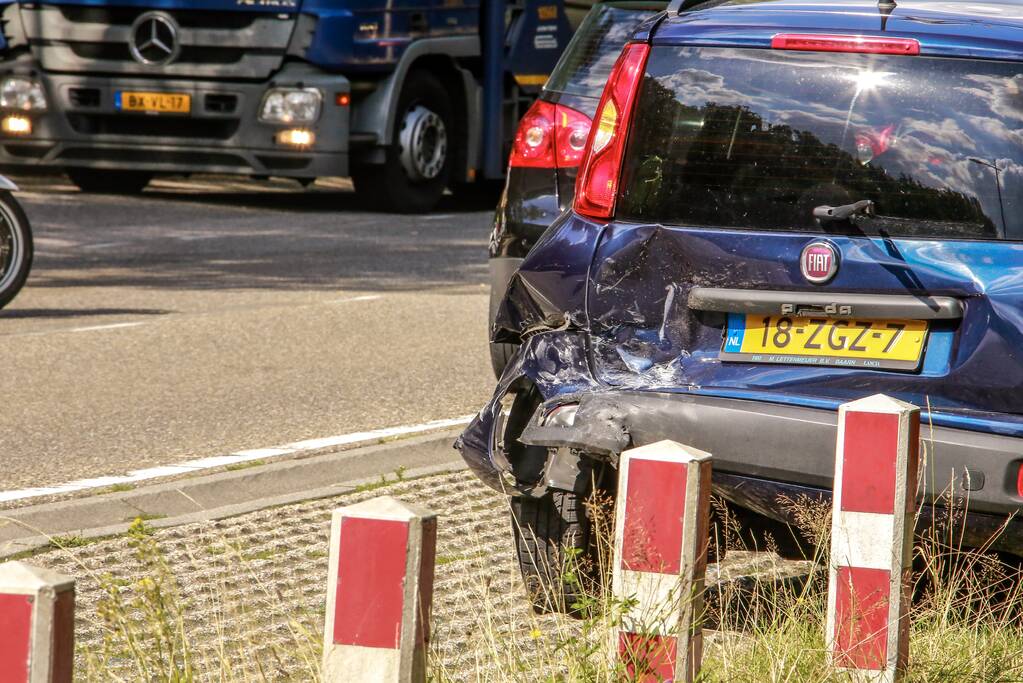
[[194, 466], [72, 330], [196, 238], [111, 326], [367, 297], [105, 245], [118, 326], [54, 242]]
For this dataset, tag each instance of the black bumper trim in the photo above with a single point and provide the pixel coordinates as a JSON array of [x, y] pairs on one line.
[[797, 444]]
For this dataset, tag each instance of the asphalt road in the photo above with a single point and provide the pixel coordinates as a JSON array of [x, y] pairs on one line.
[[211, 315]]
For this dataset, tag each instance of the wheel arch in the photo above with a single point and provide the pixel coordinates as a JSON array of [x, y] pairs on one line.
[[377, 113]]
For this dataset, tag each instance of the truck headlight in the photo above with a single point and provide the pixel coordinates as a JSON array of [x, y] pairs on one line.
[[22, 94], [291, 105]]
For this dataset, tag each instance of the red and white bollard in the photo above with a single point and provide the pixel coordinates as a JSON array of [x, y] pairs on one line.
[[660, 559], [37, 625], [873, 518], [379, 592]]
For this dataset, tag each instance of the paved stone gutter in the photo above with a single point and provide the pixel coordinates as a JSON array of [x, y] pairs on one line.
[[251, 589]]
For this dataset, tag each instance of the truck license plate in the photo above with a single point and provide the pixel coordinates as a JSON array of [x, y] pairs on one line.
[[153, 102], [871, 344]]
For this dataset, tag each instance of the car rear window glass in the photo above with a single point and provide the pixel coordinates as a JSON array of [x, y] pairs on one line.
[[745, 138], [588, 59]]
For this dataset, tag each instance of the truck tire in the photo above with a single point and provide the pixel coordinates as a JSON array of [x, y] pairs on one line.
[[417, 164], [16, 248], [105, 181], [549, 532]]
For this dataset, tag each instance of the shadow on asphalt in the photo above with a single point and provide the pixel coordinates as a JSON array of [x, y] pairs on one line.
[[319, 200], [58, 313], [213, 239]]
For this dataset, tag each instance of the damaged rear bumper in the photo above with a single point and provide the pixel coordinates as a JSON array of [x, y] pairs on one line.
[[762, 451]]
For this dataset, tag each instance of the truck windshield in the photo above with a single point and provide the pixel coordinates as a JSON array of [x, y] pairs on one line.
[[759, 139], [589, 58]]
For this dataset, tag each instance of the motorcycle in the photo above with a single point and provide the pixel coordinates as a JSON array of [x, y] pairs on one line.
[[15, 243]]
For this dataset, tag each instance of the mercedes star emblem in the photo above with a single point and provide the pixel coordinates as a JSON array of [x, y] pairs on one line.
[[154, 39]]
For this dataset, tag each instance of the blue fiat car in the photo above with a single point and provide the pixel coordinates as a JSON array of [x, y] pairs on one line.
[[783, 206]]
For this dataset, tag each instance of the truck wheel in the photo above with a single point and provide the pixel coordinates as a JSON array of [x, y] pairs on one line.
[[553, 542], [417, 166], [104, 181], [15, 248]]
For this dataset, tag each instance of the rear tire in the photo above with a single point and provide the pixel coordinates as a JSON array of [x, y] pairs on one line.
[[16, 248], [760, 533], [417, 164], [500, 356], [553, 539], [103, 181], [500, 353]]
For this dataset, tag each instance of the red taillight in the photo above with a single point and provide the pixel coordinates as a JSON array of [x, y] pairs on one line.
[[825, 43], [1019, 481], [597, 184], [571, 130], [550, 136]]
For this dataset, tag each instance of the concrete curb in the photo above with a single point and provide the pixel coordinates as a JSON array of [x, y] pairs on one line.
[[227, 494]]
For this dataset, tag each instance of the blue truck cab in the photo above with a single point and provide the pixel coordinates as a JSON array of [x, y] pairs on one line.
[[391, 93]]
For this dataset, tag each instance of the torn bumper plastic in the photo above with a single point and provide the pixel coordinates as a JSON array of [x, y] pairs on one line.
[[553, 362], [762, 451]]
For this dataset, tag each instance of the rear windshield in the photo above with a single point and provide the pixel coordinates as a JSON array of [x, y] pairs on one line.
[[588, 59], [760, 138]]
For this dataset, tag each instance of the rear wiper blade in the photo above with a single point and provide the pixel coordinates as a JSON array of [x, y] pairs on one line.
[[834, 214]]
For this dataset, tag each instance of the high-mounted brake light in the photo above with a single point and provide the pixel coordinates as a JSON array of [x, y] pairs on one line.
[[827, 43], [550, 136], [597, 185]]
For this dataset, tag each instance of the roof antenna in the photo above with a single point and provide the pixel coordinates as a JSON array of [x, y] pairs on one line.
[[885, 7]]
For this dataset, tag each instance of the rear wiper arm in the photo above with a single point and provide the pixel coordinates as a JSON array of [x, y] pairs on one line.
[[834, 214]]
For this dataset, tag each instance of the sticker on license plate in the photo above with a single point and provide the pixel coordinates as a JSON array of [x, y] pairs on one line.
[[875, 344], [153, 102]]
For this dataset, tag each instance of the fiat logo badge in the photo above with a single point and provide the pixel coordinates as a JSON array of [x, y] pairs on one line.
[[819, 262]]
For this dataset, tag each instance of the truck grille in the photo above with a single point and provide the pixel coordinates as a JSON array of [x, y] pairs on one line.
[[153, 126], [246, 45]]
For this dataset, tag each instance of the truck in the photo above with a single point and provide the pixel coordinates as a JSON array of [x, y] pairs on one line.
[[408, 98]]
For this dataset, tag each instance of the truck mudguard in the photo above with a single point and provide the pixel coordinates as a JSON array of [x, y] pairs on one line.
[[376, 114]]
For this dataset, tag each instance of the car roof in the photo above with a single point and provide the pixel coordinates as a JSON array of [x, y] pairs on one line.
[[990, 29]]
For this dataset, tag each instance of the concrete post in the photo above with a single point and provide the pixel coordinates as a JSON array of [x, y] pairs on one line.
[[37, 625], [660, 559], [379, 592], [876, 465]]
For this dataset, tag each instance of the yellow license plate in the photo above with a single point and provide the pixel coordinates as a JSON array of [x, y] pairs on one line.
[[154, 102], [877, 344]]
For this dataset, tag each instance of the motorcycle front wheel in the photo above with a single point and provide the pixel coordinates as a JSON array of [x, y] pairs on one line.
[[15, 248]]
